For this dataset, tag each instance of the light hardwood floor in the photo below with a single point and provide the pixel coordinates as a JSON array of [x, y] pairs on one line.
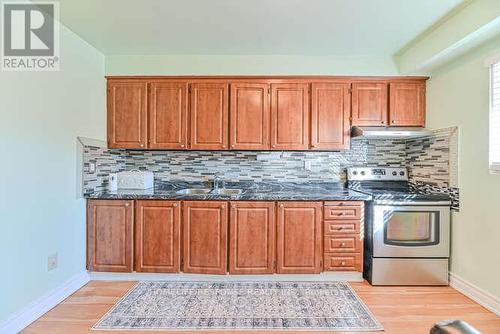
[[408, 310]]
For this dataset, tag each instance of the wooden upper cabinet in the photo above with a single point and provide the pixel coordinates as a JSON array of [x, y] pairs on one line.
[[250, 118], [205, 237], [299, 237], [330, 124], [157, 236], [407, 104], [369, 103], [109, 235], [168, 115], [252, 238], [290, 116], [127, 114], [209, 116]]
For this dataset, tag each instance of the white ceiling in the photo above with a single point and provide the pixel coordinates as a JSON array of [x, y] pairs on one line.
[[251, 27]]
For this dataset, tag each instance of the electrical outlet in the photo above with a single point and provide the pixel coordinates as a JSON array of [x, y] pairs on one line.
[[52, 262], [92, 167], [308, 165]]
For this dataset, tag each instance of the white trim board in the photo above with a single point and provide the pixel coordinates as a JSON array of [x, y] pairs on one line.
[[21, 319], [323, 277], [475, 293]]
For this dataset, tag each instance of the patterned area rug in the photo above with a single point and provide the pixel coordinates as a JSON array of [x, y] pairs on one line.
[[240, 306]]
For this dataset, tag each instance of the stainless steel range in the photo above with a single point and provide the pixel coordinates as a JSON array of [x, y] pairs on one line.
[[407, 233]]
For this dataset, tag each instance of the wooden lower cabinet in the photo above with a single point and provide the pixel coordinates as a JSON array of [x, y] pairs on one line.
[[252, 238], [299, 237], [109, 235], [205, 237], [343, 232], [157, 236], [162, 236]]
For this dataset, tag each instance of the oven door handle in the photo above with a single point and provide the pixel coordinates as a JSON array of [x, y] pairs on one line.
[[412, 203]]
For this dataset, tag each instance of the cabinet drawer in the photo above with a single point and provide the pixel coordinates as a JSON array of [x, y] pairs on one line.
[[343, 243], [343, 262], [342, 227], [341, 212]]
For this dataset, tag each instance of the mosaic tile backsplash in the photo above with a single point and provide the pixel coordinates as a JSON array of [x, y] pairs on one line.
[[430, 160]]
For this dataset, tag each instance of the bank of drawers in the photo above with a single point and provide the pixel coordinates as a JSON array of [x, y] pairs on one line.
[[343, 236]]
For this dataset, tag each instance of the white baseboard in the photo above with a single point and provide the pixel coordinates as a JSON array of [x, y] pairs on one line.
[[475, 293], [325, 276], [21, 319]]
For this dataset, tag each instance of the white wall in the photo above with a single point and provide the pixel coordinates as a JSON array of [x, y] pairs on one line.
[[41, 114], [458, 94]]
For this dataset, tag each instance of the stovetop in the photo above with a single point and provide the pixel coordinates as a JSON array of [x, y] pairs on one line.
[[396, 191]]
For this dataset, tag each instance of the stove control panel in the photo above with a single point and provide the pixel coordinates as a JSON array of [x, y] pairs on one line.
[[377, 174]]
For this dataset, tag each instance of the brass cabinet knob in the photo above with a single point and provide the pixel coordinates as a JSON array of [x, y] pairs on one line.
[[182, 145], [233, 146], [223, 146], [393, 122], [274, 146], [313, 145], [342, 244], [281, 205], [382, 122], [141, 145], [127, 204], [342, 263], [340, 227], [175, 205], [223, 206]]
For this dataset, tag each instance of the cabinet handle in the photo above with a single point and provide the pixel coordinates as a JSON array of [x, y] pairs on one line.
[[223, 146], [281, 205], [342, 244], [127, 204], [182, 145], [175, 205], [233, 146], [141, 145], [274, 146], [393, 122], [342, 263], [313, 145], [222, 206], [341, 213], [382, 122], [340, 228]]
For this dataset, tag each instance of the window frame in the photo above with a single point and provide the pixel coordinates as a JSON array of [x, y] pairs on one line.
[[494, 166]]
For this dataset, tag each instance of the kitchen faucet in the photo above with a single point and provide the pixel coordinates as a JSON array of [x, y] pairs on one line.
[[218, 182]]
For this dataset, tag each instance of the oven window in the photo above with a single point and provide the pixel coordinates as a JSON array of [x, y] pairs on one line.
[[411, 228]]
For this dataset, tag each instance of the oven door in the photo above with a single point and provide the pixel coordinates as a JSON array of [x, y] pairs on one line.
[[411, 231]]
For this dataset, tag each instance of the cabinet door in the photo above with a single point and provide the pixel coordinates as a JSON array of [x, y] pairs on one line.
[[127, 114], [407, 104], [168, 115], [109, 235], [330, 114], [209, 115], [252, 238], [157, 236], [299, 237], [289, 116], [205, 237], [369, 103], [249, 129]]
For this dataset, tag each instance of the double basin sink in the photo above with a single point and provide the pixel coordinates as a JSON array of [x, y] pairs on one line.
[[207, 191]]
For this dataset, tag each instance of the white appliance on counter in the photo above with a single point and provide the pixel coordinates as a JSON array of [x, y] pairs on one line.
[[133, 179]]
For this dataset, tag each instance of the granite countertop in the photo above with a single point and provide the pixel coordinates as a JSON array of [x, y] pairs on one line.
[[252, 191]]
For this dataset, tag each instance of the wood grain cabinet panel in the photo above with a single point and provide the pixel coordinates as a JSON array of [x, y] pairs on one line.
[[290, 116], [331, 108], [348, 243], [250, 117], [157, 236], [369, 103], [299, 237], [252, 238], [109, 235], [209, 116], [127, 114], [344, 262], [205, 237], [168, 115], [407, 104]]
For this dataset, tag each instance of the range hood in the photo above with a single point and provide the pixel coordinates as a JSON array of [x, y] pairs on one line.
[[389, 132]]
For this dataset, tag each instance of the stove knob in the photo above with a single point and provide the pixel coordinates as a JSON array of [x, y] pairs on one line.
[[363, 173], [394, 173], [354, 173], [402, 173]]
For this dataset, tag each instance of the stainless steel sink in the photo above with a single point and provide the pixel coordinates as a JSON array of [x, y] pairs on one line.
[[193, 191], [227, 192], [205, 191]]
